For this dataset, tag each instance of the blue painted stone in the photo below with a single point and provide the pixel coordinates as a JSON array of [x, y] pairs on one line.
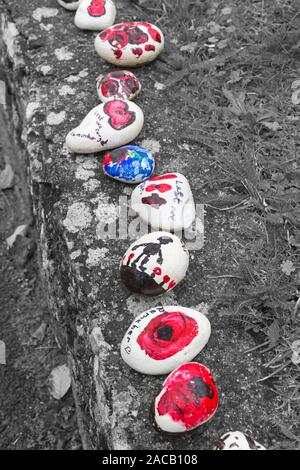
[[129, 164]]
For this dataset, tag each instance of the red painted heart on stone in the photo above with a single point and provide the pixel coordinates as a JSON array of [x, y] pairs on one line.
[[119, 115], [97, 8]]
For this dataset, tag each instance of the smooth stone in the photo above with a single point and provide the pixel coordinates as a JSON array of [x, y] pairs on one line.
[[69, 4], [120, 84], [165, 202], [95, 15], [130, 164], [162, 338], [154, 264], [189, 398], [107, 126], [130, 44], [236, 440]]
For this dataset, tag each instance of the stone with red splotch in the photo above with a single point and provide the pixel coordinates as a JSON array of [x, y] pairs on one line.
[[189, 398], [165, 202], [95, 15], [154, 264], [107, 126], [162, 338], [120, 84], [130, 44]]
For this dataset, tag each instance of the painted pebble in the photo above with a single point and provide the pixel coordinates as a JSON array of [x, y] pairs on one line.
[[236, 440], [189, 398], [162, 338], [120, 84], [107, 126], [154, 264], [95, 15], [71, 5], [165, 202], [129, 164], [130, 44]]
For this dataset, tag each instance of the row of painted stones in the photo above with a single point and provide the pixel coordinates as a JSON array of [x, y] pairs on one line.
[[163, 339]]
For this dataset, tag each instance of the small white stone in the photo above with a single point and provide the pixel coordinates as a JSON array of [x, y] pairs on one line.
[[165, 202], [162, 338], [95, 15], [154, 264], [236, 440], [106, 126], [120, 84], [130, 44]]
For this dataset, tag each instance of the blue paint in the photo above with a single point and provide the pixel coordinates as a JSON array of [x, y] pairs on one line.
[[129, 164]]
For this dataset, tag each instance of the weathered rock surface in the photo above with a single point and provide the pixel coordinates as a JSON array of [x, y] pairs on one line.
[[49, 90]]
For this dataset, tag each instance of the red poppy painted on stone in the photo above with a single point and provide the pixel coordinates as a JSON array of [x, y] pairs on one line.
[[167, 334], [188, 399], [120, 116], [118, 85], [139, 43], [162, 338]]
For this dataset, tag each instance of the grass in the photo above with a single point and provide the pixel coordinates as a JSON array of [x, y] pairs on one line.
[[238, 66]]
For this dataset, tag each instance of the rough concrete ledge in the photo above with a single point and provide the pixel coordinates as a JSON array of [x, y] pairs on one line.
[[50, 69]]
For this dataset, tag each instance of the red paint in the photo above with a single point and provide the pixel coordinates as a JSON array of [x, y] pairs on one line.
[[109, 88], [157, 271], [131, 256], [190, 397], [129, 83], [120, 116], [107, 160], [181, 330], [149, 47], [163, 177], [154, 34], [162, 188], [118, 53], [166, 279], [172, 284], [138, 51], [121, 35], [97, 8]]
